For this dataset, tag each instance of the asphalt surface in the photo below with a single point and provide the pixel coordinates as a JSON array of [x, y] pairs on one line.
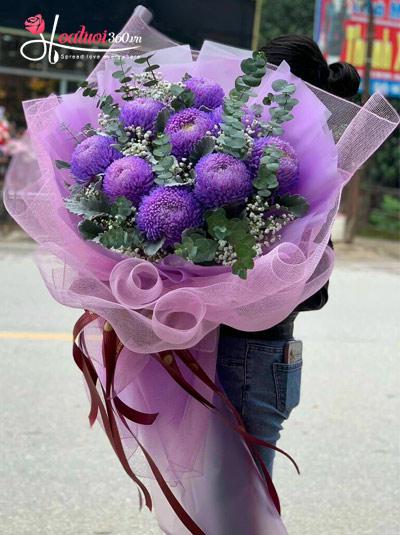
[[58, 477]]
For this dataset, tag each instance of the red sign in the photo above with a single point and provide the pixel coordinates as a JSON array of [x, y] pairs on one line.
[[341, 31]]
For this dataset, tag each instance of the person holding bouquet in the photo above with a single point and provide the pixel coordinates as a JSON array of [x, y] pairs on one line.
[[261, 371], [171, 196]]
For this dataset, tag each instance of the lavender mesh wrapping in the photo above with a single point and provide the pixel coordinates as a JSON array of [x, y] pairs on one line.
[[332, 139]]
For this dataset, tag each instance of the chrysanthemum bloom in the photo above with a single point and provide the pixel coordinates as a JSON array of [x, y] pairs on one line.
[[288, 168], [186, 128], [221, 179], [131, 177], [141, 112], [206, 92], [216, 115], [92, 156], [167, 212]]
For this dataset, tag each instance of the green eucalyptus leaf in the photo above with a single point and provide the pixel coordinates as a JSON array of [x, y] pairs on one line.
[[279, 85], [88, 207], [204, 146], [248, 66], [151, 83], [89, 229], [113, 238], [121, 207], [297, 204], [277, 131], [142, 60], [289, 89], [151, 68], [60, 164], [162, 119], [150, 248]]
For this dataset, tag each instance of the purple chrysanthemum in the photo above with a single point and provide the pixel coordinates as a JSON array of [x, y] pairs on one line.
[[221, 179], [92, 156], [288, 168], [141, 112], [167, 212], [206, 92], [186, 128], [216, 115], [130, 177]]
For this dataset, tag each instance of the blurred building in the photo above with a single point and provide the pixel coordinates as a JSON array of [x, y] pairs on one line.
[[228, 21]]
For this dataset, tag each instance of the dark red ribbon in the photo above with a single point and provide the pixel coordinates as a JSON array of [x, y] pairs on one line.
[[111, 348], [105, 408]]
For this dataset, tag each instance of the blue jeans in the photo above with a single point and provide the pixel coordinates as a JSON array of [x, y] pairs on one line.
[[261, 386]]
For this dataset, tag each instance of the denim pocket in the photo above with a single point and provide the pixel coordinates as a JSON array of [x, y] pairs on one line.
[[287, 379]]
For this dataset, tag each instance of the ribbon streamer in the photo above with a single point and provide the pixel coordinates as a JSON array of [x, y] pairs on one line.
[[111, 348]]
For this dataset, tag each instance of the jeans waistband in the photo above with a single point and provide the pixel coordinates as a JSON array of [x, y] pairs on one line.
[[282, 331]]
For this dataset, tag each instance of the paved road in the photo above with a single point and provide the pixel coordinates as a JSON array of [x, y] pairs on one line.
[[60, 478]]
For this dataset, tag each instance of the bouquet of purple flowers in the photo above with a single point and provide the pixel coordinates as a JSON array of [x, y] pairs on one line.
[[183, 168]]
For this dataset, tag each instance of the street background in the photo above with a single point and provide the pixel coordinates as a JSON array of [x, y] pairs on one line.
[[61, 478], [58, 477]]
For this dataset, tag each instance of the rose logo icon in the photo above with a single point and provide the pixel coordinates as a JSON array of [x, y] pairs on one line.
[[35, 24]]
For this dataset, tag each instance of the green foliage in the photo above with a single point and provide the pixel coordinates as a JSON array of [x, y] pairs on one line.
[[236, 232], [151, 248], [113, 126], [88, 207], [89, 229], [116, 238], [387, 216], [233, 139], [184, 97], [60, 164], [203, 147], [266, 180], [121, 208], [165, 162], [104, 221], [196, 247], [296, 204], [281, 17], [162, 119], [149, 69], [89, 89]]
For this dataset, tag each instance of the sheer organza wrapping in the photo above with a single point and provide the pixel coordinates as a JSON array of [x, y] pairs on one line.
[[177, 305]]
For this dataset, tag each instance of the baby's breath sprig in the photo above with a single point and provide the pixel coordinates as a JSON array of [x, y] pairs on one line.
[[139, 143]]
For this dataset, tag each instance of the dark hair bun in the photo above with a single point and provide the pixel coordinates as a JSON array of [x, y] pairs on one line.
[[343, 80]]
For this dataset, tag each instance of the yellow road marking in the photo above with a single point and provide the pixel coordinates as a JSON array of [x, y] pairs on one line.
[[27, 335]]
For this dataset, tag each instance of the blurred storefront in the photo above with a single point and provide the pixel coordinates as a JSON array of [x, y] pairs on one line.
[[22, 80], [228, 21]]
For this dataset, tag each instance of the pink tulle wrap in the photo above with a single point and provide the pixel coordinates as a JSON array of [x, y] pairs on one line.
[[176, 305]]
